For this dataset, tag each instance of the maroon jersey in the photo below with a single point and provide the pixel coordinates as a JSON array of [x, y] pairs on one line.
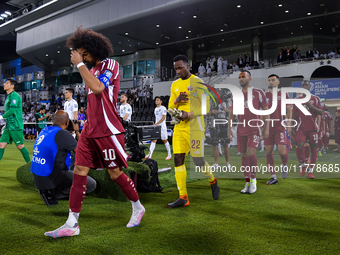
[[277, 114], [326, 117], [308, 122], [102, 116], [259, 102]]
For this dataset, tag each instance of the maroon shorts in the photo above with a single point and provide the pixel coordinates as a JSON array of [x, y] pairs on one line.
[[320, 133], [307, 136], [251, 141], [276, 136], [103, 152]]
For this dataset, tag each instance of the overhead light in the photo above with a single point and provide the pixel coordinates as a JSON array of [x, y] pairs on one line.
[[291, 33], [280, 5], [157, 43], [179, 27], [157, 25], [46, 55], [286, 11], [126, 33], [187, 37], [222, 40], [221, 30], [320, 28], [119, 42], [58, 51], [130, 45], [309, 13], [189, 31], [241, 41], [123, 50], [239, 6], [262, 22], [194, 17], [4, 15], [301, 26], [8, 13]]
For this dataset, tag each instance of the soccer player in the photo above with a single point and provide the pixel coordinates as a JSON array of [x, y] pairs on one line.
[[13, 131], [125, 110], [101, 144], [40, 119], [306, 130], [328, 120], [71, 105], [248, 137], [189, 133], [321, 134], [81, 118], [160, 114], [277, 133]]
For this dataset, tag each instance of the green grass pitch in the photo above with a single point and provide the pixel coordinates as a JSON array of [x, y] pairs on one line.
[[296, 216]]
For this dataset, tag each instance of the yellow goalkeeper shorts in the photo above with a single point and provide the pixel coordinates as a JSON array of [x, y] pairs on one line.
[[185, 141]]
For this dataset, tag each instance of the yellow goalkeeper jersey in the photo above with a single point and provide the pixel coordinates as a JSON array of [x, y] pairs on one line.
[[199, 102]]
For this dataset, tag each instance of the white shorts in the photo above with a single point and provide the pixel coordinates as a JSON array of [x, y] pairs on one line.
[[164, 134]]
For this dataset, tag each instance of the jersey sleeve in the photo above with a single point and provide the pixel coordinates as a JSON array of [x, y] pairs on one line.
[[75, 106], [330, 116], [164, 111], [15, 102], [172, 98], [109, 73]]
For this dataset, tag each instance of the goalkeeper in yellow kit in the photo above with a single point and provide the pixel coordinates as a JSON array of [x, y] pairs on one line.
[[185, 103]]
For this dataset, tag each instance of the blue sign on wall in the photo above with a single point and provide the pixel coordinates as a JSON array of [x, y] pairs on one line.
[[323, 88]]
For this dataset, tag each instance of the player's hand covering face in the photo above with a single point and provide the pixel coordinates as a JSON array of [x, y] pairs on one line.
[[76, 58]]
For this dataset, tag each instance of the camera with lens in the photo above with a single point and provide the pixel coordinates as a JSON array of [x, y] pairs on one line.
[[70, 126], [135, 135]]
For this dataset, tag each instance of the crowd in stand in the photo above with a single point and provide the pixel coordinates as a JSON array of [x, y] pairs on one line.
[[213, 66], [287, 55]]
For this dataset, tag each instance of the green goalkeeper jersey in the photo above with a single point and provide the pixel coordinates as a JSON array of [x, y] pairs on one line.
[[13, 112]]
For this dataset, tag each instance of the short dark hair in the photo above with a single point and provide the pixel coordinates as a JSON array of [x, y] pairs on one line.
[[42, 107], [125, 95], [96, 44], [70, 90], [181, 57], [274, 75], [159, 98], [13, 82], [246, 72]]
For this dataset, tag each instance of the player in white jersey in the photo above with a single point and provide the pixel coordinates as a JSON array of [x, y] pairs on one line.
[[160, 114], [71, 105], [125, 110]]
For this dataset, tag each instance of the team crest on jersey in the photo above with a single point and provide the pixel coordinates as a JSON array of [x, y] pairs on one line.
[[14, 101], [108, 74], [190, 88], [40, 139], [267, 99]]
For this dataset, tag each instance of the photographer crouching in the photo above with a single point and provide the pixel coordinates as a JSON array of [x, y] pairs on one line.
[[51, 160]]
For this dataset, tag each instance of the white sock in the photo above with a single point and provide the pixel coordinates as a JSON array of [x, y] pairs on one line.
[[137, 206], [310, 170], [152, 148], [167, 146], [219, 148], [274, 176], [72, 220]]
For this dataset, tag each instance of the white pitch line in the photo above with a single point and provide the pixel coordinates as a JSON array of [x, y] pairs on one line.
[[335, 157]]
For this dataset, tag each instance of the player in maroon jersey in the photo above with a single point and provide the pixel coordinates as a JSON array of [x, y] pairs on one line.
[[248, 136], [277, 133], [101, 144], [328, 120], [306, 130], [321, 133]]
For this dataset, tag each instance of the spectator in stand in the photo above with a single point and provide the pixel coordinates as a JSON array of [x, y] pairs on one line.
[[297, 54], [247, 67], [225, 66], [309, 53], [219, 65], [247, 59], [235, 67], [292, 50], [261, 63], [207, 63], [316, 53], [201, 70], [336, 55], [81, 118], [209, 71], [280, 57], [330, 54], [240, 61], [284, 52]]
